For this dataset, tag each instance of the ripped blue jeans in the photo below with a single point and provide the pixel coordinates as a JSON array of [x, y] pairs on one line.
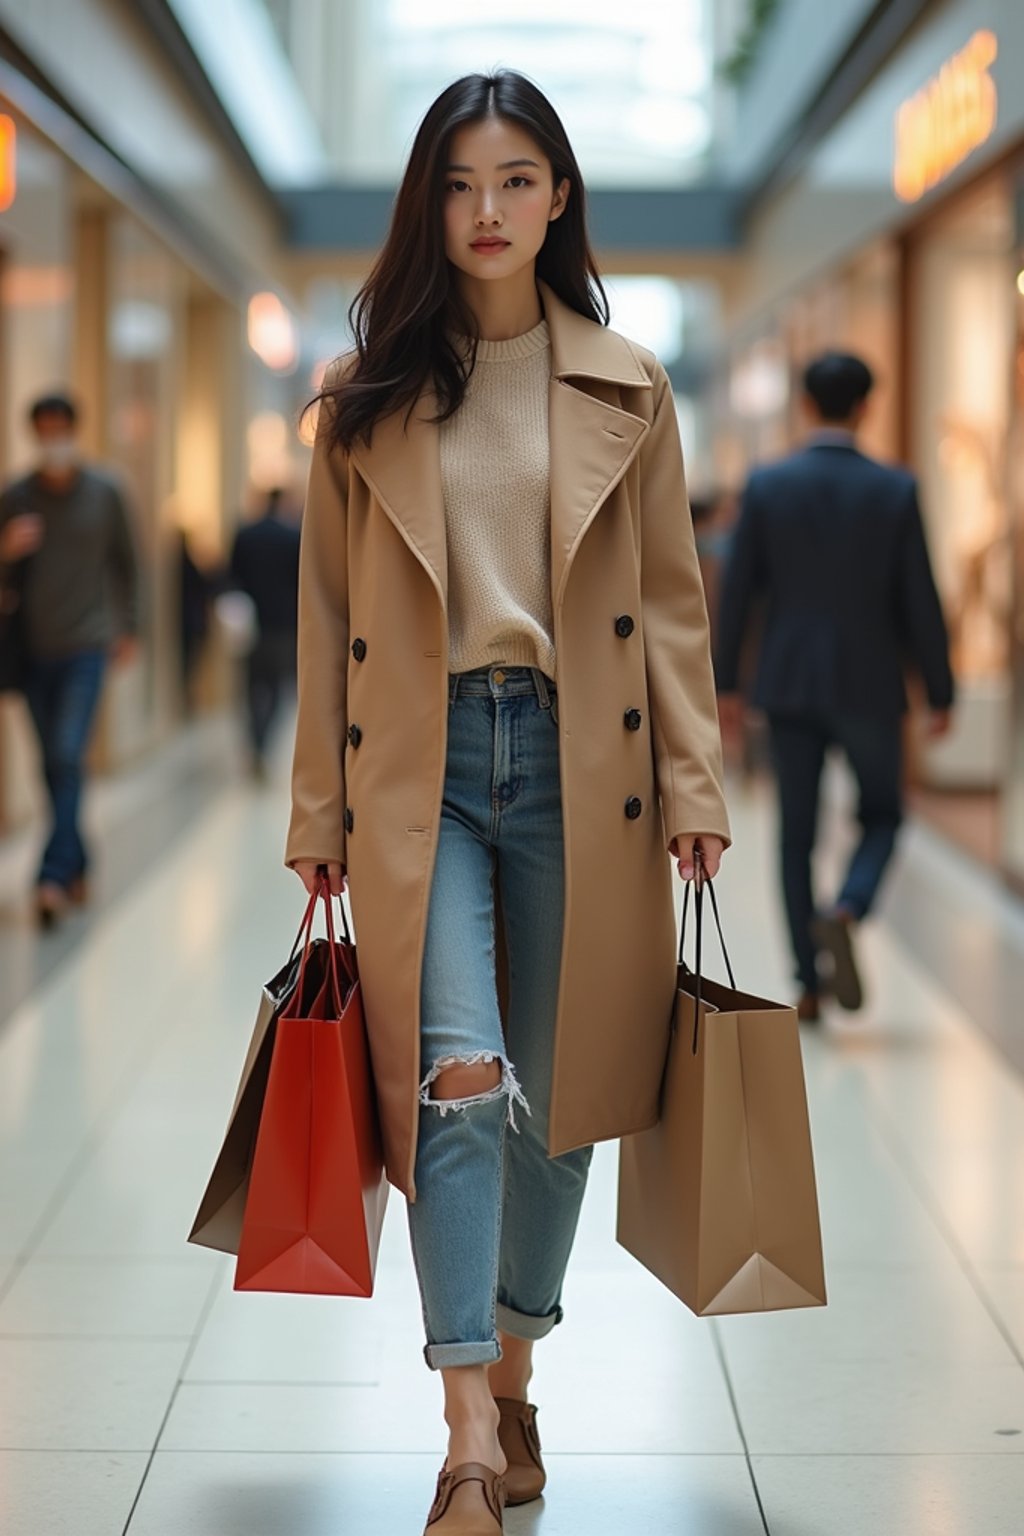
[[494, 1218]]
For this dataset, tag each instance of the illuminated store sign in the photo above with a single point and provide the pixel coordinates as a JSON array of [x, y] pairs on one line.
[[272, 332], [8, 171], [947, 119]]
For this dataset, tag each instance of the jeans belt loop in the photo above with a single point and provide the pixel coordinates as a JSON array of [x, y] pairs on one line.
[[540, 683]]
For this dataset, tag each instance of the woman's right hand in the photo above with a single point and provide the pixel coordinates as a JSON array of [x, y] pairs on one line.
[[308, 872]]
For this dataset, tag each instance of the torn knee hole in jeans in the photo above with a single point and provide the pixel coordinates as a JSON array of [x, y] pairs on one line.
[[507, 1087]]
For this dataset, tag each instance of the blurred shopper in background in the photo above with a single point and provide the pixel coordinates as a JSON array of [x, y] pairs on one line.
[[832, 544], [265, 565], [714, 521], [69, 524], [195, 594]]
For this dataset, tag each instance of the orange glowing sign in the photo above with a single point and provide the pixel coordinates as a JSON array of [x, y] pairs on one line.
[[947, 119], [272, 332], [8, 168]]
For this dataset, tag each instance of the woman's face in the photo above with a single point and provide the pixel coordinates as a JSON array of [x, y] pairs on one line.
[[498, 187]]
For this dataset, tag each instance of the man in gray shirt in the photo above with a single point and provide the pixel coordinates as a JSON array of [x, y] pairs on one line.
[[79, 603]]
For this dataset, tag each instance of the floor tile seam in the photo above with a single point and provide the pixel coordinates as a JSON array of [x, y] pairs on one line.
[[718, 1344], [98, 1259], [390, 1450], [83, 1450], [49, 1450], [549, 1456], [8, 1336], [149, 1459], [938, 1451], [109, 1256], [213, 1291], [884, 1455], [903, 1153], [364, 1386]]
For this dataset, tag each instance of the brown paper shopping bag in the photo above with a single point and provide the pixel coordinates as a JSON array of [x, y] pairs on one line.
[[718, 1199], [218, 1222]]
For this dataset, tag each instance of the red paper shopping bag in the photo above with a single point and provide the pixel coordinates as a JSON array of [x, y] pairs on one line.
[[317, 1190]]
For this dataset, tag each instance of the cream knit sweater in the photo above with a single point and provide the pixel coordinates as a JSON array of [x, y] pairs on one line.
[[494, 474]]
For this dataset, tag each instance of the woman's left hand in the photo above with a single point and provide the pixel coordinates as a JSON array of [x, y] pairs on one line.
[[711, 848]]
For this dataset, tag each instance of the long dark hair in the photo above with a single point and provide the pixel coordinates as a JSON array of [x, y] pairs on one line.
[[403, 315]]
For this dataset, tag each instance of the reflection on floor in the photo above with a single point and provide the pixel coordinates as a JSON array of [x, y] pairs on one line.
[[132, 817], [973, 820], [140, 1394]]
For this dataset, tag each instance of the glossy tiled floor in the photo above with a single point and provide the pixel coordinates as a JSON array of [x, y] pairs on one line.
[[138, 1393]]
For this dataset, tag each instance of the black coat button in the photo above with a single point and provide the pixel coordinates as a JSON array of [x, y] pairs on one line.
[[349, 819], [623, 625], [355, 735], [634, 805], [632, 719], [358, 648]]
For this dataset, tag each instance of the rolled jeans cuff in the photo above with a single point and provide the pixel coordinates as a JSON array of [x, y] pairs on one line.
[[441, 1356], [522, 1326]]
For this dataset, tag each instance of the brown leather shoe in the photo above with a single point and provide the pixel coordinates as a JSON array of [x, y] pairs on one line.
[[517, 1434], [833, 933], [469, 1501], [51, 903], [808, 1008]]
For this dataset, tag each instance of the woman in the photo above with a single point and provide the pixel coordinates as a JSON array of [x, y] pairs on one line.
[[506, 717]]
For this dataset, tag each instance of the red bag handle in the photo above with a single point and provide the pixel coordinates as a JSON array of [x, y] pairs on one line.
[[322, 891]]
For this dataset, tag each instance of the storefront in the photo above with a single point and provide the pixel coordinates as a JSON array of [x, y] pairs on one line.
[[102, 293], [962, 267], [94, 303], [902, 241]]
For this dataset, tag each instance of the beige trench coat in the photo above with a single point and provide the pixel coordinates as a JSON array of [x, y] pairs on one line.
[[631, 632]]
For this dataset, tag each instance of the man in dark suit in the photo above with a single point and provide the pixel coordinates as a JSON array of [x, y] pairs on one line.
[[832, 545], [265, 564]]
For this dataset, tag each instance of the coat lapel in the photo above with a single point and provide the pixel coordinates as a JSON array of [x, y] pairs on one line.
[[592, 445], [403, 469]]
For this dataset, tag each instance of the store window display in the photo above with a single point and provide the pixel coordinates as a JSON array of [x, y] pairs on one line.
[[1012, 839], [961, 285]]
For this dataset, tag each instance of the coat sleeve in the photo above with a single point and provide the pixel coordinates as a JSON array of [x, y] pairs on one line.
[[124, 563], [317, 826], [684, 713], [921, 611], [8, 509], [741, 583]]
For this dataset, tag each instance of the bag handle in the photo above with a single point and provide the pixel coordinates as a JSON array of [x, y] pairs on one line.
[[322, 892], [324, 887], [306, 925], [700, 879]]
